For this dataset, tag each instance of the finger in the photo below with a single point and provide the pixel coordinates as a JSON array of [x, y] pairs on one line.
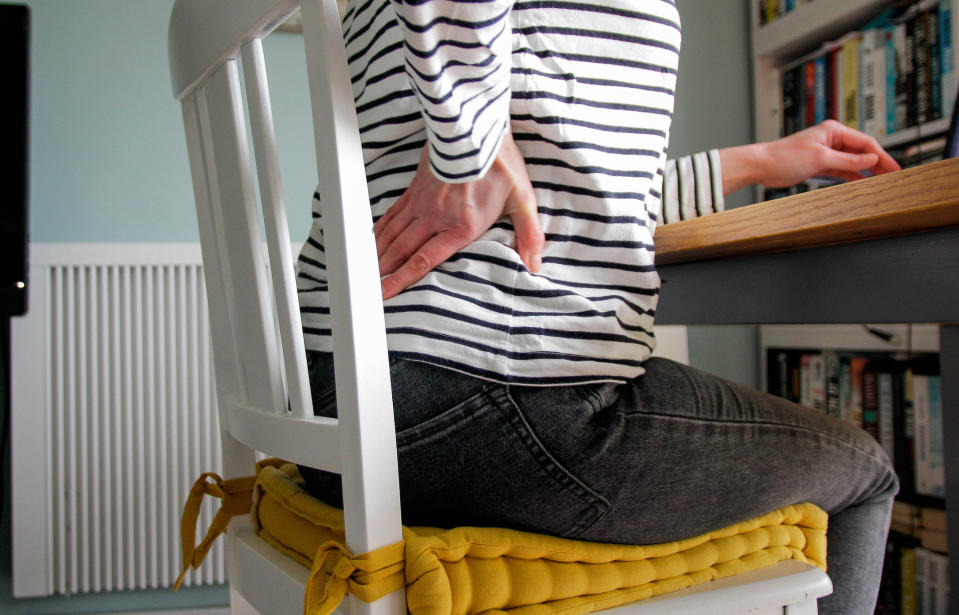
[[405, 244], [529, 236], [850, 162], [851, 140], [432, 253], [391, 225], [849, 176]]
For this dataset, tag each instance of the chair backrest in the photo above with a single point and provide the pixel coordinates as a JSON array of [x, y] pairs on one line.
[[263, 391]]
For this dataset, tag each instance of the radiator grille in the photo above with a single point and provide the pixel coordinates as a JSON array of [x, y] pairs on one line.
[[131, 412]]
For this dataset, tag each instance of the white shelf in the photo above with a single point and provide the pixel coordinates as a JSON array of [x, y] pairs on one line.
[[922, 338], [809, 25]]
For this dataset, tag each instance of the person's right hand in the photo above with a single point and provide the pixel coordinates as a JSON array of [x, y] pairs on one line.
[[432, 220]]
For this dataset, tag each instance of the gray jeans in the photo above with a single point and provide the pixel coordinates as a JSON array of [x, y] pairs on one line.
[[673, 454]]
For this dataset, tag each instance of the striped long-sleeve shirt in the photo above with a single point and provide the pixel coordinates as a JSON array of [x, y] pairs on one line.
[[587, 88]]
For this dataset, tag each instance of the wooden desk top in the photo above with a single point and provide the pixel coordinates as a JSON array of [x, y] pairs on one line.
[[914, 200]]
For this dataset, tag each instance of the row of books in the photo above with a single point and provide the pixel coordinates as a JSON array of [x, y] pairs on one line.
[[897, 400], [896, 73], [771, 10], [915, 580]]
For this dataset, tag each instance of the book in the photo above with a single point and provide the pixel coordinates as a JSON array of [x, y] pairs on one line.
[[907, 568], [889, 32], [850, 81], [920, 41], [834, 85], [809, 93], [791, 104], [817, 382], [935, 69], [947, 64], [870, 400], [873, 81], [819, 114], [932, 582], [857, 367], [903, 53], [930, 471], [885, 410], [832, 369]]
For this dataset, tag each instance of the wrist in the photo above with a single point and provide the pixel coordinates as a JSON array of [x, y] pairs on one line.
[[742, 166]]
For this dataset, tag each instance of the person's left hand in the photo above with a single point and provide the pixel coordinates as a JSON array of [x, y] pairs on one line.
[[831, 149], [433, 219], [828, 149]]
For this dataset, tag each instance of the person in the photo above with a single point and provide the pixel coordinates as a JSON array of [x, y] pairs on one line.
[[516, 162]]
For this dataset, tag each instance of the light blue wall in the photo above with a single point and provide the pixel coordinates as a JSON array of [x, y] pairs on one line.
[[714, 109], [108, 157]]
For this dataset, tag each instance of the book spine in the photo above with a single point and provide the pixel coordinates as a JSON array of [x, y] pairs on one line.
[[845, 388], [832, 369], [912, 102], [857, 366], [889, 33], [884, 414], [937, 470], [920, 401], [790, 101], [817, 382], [903, 63], [947, 62], [850, 80], [870, 403], [935, 69], [820, 89], [921, 51], [905, 435], [907, 558], [873, 82], [809, 91]]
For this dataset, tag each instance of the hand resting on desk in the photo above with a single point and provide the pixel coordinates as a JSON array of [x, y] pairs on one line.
[[830, 149]]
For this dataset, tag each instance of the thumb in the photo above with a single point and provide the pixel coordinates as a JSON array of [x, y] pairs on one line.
[[848, 161], [529, 234]]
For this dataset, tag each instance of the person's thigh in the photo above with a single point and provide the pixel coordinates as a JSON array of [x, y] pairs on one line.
[[678, 452]]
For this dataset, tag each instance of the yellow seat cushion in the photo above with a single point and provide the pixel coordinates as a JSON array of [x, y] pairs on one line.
[[469, 570]]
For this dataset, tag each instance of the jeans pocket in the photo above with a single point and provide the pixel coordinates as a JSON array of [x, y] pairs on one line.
[[480, 463]]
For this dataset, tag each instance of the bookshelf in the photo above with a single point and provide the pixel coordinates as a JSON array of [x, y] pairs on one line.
[[801, 34], [845, 254]]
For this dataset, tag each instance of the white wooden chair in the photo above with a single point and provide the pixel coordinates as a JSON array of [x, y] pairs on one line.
[[262, 387]]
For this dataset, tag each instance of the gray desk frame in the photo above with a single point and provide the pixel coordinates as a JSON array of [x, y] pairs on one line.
[[910, 278]]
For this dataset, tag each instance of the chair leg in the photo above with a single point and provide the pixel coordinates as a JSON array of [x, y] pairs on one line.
[[808, 607], [239, 605]]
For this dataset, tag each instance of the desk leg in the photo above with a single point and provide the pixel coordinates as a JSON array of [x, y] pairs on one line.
[[949, 368]]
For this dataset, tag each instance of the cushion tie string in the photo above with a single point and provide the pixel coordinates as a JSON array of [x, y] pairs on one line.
[[237, 499], [369, 576]]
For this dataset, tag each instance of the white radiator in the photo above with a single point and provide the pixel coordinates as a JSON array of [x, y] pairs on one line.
[[114, 416]]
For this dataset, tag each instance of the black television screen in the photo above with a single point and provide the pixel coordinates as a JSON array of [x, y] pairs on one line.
[[14, 108]]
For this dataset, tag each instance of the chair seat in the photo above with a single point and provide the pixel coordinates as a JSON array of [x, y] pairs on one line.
[[748, 567], [276, 584]]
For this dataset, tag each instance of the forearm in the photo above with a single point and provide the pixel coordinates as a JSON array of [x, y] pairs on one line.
[[743, 166]]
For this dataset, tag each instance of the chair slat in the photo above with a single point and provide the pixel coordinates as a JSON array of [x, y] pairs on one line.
[[371, 488], [277, 230], [312, 441], [241, 259], [236, 460]]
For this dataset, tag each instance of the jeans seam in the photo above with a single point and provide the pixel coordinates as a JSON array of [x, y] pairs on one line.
[[755, 423], [564, 478]]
